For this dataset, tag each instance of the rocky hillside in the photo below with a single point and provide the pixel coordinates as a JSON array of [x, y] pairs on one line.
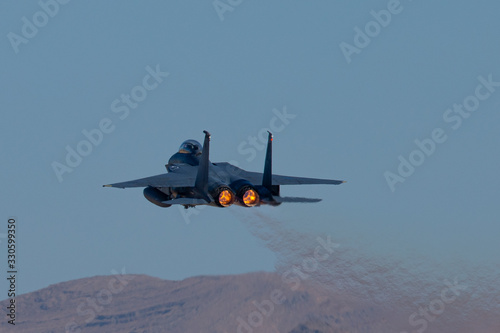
[[254, 302]]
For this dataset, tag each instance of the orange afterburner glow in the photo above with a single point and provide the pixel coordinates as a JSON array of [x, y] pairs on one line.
[[225, 198], [250, 198]]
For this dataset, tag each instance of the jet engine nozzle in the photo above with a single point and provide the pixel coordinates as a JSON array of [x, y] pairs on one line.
[[249, 196], [246, 194], [223, 196]]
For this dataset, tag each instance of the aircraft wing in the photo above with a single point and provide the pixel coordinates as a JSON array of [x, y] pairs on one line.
[[184, 176], [256, 177]]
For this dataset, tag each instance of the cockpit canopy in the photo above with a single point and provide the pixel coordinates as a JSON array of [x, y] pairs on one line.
[[191, 147]]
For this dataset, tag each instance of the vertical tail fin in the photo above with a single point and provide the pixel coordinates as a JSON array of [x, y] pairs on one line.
[[267, 178], [201, 183]]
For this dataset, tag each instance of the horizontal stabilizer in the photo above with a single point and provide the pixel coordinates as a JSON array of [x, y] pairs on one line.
[[295, 199]]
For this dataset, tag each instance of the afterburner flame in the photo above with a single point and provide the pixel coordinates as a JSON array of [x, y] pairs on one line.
[[250, 198], [225, 198]]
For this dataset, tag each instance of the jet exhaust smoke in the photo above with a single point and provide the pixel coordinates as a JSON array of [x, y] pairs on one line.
[[412, 294]]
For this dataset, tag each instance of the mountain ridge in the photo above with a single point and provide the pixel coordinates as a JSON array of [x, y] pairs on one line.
[[250, 302]]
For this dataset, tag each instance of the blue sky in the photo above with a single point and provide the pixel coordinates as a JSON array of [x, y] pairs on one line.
[[347, 121]]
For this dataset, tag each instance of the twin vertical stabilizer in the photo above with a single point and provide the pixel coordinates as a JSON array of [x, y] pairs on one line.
[[201, 183], [267, 178]]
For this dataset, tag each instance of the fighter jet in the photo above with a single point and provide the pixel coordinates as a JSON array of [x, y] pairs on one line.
[[193, 180]]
